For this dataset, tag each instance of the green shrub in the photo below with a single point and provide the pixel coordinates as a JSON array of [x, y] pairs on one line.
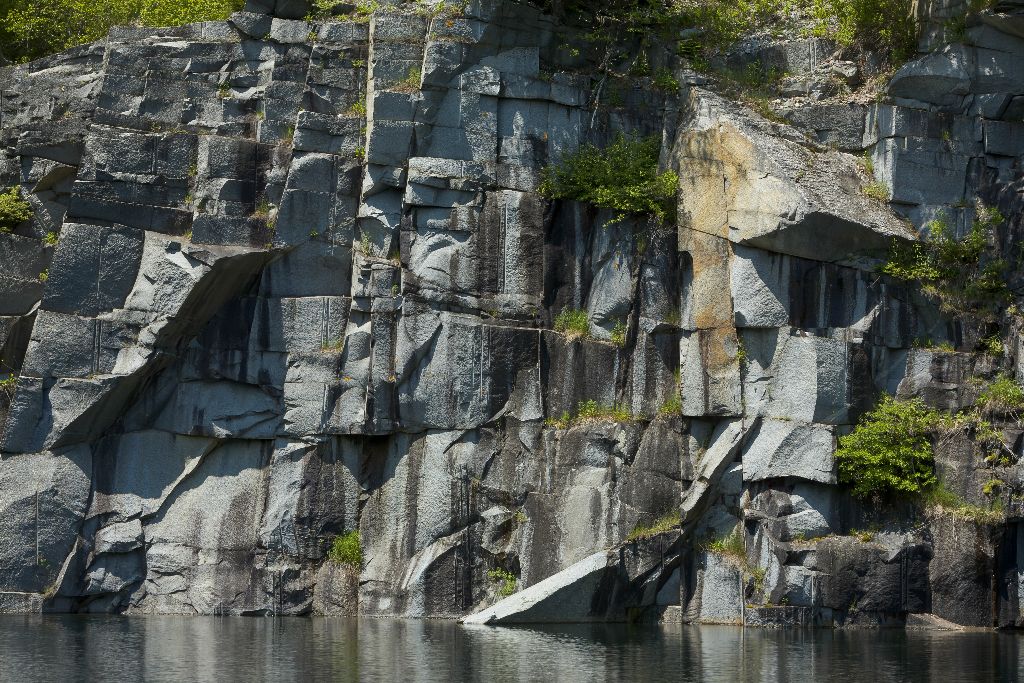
[[665, 80], [667, 522], [623, 176], [619, 333], [889, 453], [347, 549], [13, 209], [938, 496], [876, 190], [963, 274], [30, 29], [1003, 396], [730, 545], [357, 110], [673, 405], [592, 411], [573, 323], [885, 25], [505, 579]]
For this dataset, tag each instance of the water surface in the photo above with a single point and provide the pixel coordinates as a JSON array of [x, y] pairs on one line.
[[224, 649]]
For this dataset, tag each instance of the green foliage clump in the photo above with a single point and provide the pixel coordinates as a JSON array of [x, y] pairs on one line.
[[731, 545], [670, 520], [411, 82], [13, 209], [593, 411], [886, 25], [619, 333], [664, 80], [1003, 396], [505, 579], [754, 85], [876, 190], [30, 29], [574, 323], [963, 274], [8, 385], [941, 498], [623, 176], [347, 549], [673, 405], [590, 411], [889, 453], [357, 110]]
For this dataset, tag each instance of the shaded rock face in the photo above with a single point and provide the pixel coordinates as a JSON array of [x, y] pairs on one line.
[[273, 315]]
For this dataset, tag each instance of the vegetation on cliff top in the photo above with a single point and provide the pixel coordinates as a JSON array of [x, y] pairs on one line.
[[30, 29], [886, 26]]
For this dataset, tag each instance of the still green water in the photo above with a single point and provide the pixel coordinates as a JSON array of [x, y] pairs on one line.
[[223, 649]]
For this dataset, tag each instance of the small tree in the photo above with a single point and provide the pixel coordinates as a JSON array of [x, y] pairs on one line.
[[889, 453]]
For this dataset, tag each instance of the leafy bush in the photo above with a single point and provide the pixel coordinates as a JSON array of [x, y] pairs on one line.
[[622, 176], [573, 323], [876, 190], [673, 405], [963, 274], [886, 25], [505, 579], [1003, 396], [13, 209], [889, 452], [30, 29], [730, 545], [347, 549]]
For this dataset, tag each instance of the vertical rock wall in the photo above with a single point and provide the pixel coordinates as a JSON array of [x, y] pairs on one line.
[[300, 282]]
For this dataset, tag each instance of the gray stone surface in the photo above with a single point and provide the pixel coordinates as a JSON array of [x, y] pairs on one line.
[[272, 317], [564, 597]]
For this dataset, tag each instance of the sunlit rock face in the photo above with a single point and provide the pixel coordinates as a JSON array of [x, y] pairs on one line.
[[304, 283]]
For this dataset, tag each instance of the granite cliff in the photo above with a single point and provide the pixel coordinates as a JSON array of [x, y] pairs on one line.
[[290, 279]]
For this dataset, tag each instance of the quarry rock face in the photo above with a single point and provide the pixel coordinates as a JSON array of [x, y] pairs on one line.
[[287, 279]]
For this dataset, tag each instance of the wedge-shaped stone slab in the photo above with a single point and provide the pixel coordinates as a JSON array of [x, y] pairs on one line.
[[564, 597]]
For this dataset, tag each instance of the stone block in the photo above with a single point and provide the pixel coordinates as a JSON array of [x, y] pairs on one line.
[[783, 448], [93, 269]]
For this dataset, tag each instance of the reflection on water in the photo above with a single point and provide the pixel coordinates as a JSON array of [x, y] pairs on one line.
[[219, 649]]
